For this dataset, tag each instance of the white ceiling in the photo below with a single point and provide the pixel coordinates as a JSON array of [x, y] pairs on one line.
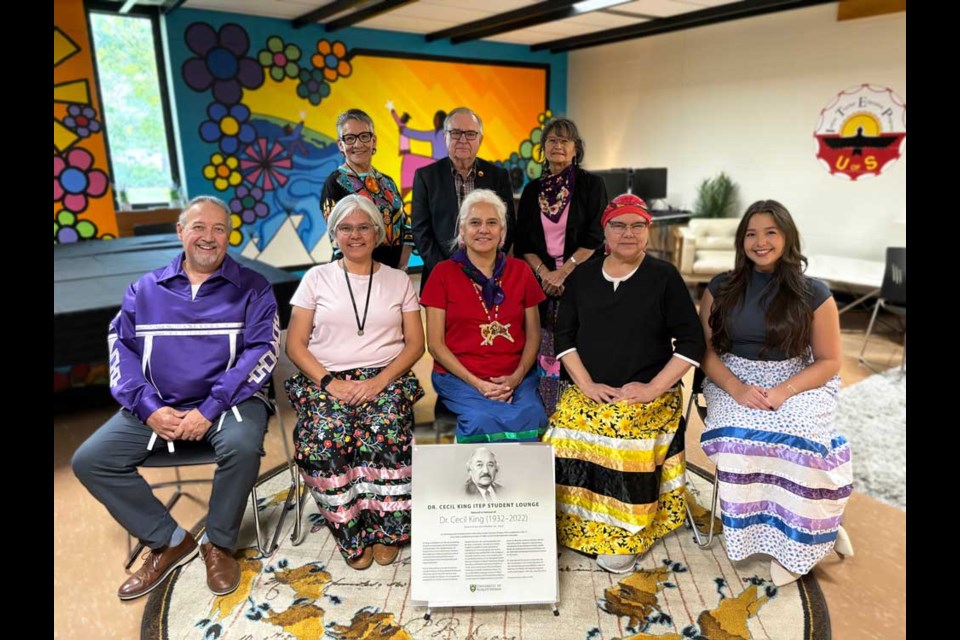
[[426, 16]]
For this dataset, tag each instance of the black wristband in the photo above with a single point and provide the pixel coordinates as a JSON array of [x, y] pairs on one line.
[[324, 381]]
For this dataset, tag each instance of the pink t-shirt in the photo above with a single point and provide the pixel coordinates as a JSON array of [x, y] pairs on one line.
[[555, 234], [334, 341]]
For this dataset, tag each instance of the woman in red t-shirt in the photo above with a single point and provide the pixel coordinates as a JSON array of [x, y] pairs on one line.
[[483, 329]]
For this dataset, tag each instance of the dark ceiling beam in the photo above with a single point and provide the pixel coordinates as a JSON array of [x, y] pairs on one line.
[[366, 13], [325, 11], [170, 5], [704, 17], [508, 21]]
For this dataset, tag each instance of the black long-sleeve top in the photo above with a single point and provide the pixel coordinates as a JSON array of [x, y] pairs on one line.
[[630, 334]]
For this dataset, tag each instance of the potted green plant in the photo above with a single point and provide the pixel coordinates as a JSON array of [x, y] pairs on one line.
[[716, 198]]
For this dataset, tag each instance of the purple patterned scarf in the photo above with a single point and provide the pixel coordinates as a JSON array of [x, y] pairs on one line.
[[490, 288]]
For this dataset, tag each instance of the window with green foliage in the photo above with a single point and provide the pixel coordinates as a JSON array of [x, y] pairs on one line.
[[133, 107]]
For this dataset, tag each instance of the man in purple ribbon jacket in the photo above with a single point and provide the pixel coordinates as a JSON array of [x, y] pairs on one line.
[[190, 352]]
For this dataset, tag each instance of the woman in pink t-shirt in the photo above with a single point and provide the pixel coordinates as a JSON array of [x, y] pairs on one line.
[[354, 333]]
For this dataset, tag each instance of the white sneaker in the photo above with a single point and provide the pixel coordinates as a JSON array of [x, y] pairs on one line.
[[616, 563], [843, 546]]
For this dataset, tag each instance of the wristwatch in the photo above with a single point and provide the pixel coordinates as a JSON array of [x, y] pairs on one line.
[[324, 381]]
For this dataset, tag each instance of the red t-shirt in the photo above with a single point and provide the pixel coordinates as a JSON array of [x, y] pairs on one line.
[[450, 289]]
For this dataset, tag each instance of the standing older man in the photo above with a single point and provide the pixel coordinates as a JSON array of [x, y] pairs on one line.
[[190, 350], [439, 189]]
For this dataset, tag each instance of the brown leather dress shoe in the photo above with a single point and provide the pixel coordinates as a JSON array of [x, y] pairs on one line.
[[363, 561], [385, 554], [157, 565], [223, 570]]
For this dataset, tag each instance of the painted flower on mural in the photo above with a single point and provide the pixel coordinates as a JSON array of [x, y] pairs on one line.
[[75, 180], [236, 236], [222, 171], [82, 120], [546, 115], [67, 228], [280, 59], [330, 58], [222, 63], [312, 86], [248, 203], [265, 164], [228, 126]]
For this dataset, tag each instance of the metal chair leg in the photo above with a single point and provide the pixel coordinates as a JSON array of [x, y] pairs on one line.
[[300, 494], [713, 509], [866, 339]]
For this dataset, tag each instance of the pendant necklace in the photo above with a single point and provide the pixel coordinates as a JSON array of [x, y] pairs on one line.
[[366, 305], [493, 329]]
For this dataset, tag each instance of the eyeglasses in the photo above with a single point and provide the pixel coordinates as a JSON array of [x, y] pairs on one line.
[[620, 228], [557, 142], [352, 138], [459, 134], [348, 229]]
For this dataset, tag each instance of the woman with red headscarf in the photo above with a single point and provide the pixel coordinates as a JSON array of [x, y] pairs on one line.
[[627, 332]]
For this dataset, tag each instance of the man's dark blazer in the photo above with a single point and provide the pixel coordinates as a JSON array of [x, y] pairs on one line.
[[434, 211]]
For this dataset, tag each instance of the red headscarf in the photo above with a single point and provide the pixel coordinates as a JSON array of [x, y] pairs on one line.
[[626, 203]]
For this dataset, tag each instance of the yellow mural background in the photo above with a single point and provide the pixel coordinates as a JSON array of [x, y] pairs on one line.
[[509, 100], [70, 17]]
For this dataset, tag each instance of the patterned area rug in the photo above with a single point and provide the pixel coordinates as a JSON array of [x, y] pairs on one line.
[[678, 592]]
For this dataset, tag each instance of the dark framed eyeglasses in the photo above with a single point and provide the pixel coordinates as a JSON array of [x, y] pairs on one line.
[[459, 134], [351, 138], [620, 228]]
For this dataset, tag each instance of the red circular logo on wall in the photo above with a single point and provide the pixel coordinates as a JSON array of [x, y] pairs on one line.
[[862, 131]]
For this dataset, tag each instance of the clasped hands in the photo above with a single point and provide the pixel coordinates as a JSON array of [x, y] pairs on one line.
[[355, 392], [174, 424], [631, 393], [754, 397], [499, 388]]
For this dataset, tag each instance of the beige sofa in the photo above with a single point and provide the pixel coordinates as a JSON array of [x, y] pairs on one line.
[[705, 247]]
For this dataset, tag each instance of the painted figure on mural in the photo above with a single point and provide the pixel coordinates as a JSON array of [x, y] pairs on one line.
[[410, 162]]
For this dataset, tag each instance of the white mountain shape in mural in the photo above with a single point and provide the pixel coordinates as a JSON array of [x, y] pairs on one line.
[[250, 250], [323, 250], [285, 248]]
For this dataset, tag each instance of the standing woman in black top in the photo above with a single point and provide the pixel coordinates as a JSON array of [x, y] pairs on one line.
[[626, 334], [358, 144], [558, 228]]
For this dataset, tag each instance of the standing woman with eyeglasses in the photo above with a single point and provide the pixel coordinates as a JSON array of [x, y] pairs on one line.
[[354, 333], [558, 228], [358, 143], [626, 334]]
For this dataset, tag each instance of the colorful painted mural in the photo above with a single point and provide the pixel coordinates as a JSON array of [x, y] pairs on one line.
[[258, 121], [82, 199]]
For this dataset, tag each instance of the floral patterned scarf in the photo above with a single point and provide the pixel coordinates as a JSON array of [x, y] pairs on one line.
[[556, 191]]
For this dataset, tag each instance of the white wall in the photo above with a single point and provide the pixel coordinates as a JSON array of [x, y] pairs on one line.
[[744, 97]]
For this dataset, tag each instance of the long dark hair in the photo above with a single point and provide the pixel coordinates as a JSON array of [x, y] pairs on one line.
[[789, 316]]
